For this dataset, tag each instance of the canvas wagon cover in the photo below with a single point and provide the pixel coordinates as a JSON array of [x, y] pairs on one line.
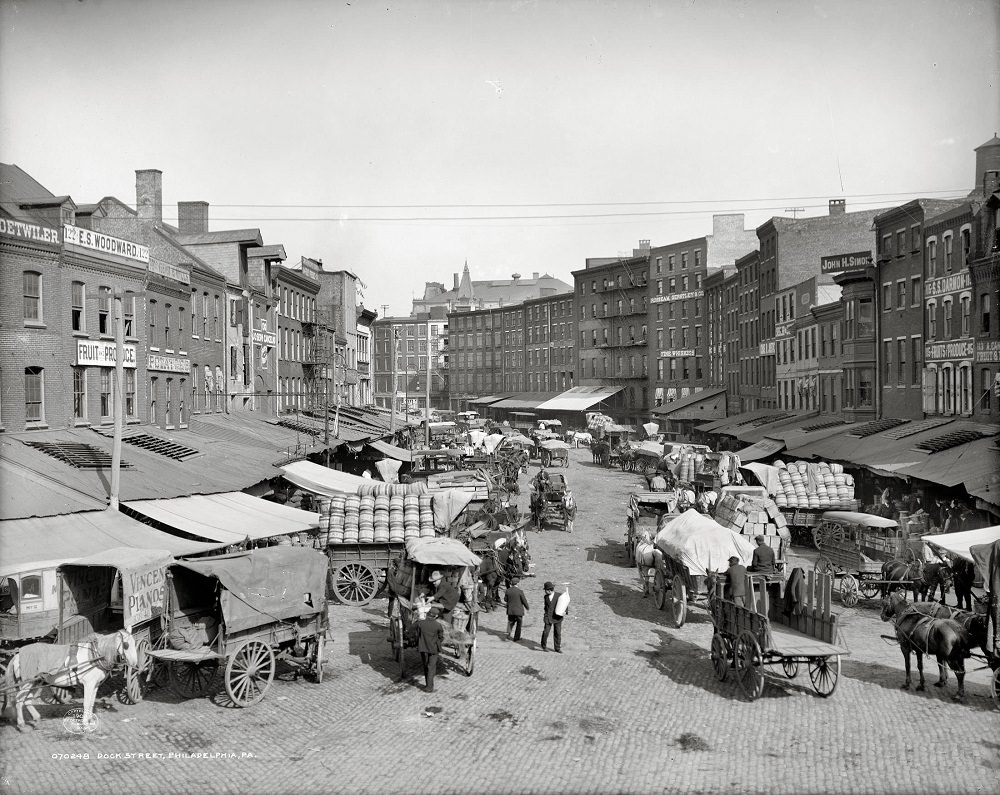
[[554, 444], [701, 543], [440, 552], [143, 576], [268, 584]]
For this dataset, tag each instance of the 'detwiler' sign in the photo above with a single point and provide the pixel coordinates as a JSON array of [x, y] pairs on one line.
[[846, 262]]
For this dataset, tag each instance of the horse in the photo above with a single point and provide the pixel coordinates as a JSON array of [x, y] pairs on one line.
[[87, 663], [945, 639], [569, 510], [490, 575], [536, 506], [644, 554], [976, 624], [896, 573], [963, 576], [933, 576]]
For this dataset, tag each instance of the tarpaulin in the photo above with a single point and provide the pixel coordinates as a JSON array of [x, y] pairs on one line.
[[448, 504], [388, 468], [701, 543], [390, 450], [440, 552], [322, 480]]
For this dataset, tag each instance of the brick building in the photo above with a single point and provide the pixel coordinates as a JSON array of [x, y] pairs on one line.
[[549, 337], [297, 287], [401, 347]]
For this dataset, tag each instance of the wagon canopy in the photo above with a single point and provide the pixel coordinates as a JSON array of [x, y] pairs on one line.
[[961, 544], [440, 552], [553, 444], [701, 543], [267, 584], [863, 519]]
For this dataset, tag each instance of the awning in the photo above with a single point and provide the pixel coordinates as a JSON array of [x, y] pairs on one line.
[[715, 426], [959, 543], [391, 450], [49, 541], [524, 400], [707, 404], [228, 518], [487, 399], [322, 480], [579, 398], [761, 449], [762, 427]]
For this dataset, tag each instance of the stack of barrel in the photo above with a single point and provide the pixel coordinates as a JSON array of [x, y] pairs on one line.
[[426, 516], [352, 519], [374, 517], [411, 517]]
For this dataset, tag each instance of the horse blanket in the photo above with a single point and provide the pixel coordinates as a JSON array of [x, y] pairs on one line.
[[42, 658]]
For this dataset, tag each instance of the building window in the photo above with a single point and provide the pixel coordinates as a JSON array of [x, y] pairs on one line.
[[659, 265], [34, 408], [215, 320], [32, 297], [966, 243], [900, 242], [684, 260], [915, 291], [167, 405], [866, 320], [965, 303], [965, 388], [947, 326], [947, 240], [181, 394], [932, 321], [166, 326], [901, 294], [901, 362], [984, 313], [152, 315], [986, 387], [104, 311], [916, 349], [887, 360], [77, 300], [865, 387], [130, 407], [914, 239], [105, 393], [128, 310], [886, 297], [886, 246], [79, 393], [932, 263]]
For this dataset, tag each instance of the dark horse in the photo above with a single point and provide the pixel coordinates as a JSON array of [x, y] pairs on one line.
[[976, 624], [901, 574], [490, 575], [933, 576], [943, 638]]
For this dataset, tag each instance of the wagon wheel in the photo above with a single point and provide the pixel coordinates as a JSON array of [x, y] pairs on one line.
[[137, 679], [824, 565], [643, 578], [749, 665], [849, 591], [630, 544], [678, 593], [642, 464], [869, 588], [659, 590], [355, 583], [193, 679], [829, 534], [317, 661], [823, 675], [249, 673], [995, 688], [722, 650], [790, 666]]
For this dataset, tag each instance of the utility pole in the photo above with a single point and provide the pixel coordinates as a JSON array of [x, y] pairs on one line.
[[119, 407], [795, 211], [395, 356], [427, 408]]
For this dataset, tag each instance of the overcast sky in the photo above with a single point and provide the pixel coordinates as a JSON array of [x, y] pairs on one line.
[[616, 121]]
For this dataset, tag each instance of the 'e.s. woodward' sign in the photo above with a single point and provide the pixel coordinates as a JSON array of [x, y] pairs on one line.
[[846, 262]]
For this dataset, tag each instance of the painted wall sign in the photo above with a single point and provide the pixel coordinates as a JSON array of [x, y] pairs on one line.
[[26, 231], [783, 330], [948, 284], [767, 348], [956, 349], [98, 241], [659, 299], [677, 354], [268, 338], [167, 364], [102, 354], [839, 263], [170, 271], [988, 351]]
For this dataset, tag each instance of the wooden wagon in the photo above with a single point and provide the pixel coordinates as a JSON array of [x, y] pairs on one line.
[[358, 570], [748, 637], [853, 546], [554, 452], [246, 611], [409, 583], [551, 503], [645, 513]]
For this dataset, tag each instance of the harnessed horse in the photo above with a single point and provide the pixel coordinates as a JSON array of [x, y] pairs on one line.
[[490, 574], [87, 663], [897, 573], [945, 639], [932, 577], [569, 510]]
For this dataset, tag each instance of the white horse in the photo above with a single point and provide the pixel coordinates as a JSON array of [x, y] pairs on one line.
[[569, 509], [87, 663], [644, 558]]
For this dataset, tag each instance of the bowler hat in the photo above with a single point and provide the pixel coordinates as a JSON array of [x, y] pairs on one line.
[[733, 559], [436, 575], [549, 587]]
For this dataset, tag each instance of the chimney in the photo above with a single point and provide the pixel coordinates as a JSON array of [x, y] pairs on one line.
[[149, 195], [192, 217], [535, 276], [514, 277], [456, 280], [991, 182], [838, 206]]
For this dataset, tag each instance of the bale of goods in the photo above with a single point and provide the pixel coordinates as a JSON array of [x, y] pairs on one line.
[[751, 516]]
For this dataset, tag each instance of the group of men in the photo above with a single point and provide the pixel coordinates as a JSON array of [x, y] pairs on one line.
[[763, 562]]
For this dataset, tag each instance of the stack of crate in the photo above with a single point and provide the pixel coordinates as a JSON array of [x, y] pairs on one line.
[[751, 516]]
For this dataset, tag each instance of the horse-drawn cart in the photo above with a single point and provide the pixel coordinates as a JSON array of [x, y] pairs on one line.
[[853, 547], [358, 570], [748, 637], [643, 517], [688, 553], [410, 586], [554, 452], [246, 611], [552, 502]]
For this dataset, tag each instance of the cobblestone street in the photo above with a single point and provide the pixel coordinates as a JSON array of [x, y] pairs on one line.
[[632, 706]]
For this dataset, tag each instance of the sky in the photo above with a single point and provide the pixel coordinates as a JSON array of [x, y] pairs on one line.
[[400, 140]]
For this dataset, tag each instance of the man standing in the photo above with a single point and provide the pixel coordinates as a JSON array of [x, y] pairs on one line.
[[517, 606], [553, 621], [763, 558], [736, 578], [430, 636]]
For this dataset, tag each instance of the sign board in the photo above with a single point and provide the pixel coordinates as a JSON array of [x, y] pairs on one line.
[[783, 330], [659, 299], [956, 349], [988, 351], [676, 354], [26, 231], [767, 348], [170, 271], [839, 263], [948, 284], [102, 354], [167, 364], [105, 244], [143, 592], [263, 337]]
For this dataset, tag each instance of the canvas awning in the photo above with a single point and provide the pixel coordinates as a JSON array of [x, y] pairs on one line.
[[322, 480], [707, 404], [228, 518], [960, 543], [761, 449], [579, 398], [49, 541], [524, 400], [488, 399], [391, 451]]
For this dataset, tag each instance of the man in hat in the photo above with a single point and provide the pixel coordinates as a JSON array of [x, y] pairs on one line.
[[736, 581], [553, 622], [517, 606], [763, 558], [429, 638], [445, 594]]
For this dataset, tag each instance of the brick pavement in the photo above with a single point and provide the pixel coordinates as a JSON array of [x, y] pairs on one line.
[[632, 706]]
